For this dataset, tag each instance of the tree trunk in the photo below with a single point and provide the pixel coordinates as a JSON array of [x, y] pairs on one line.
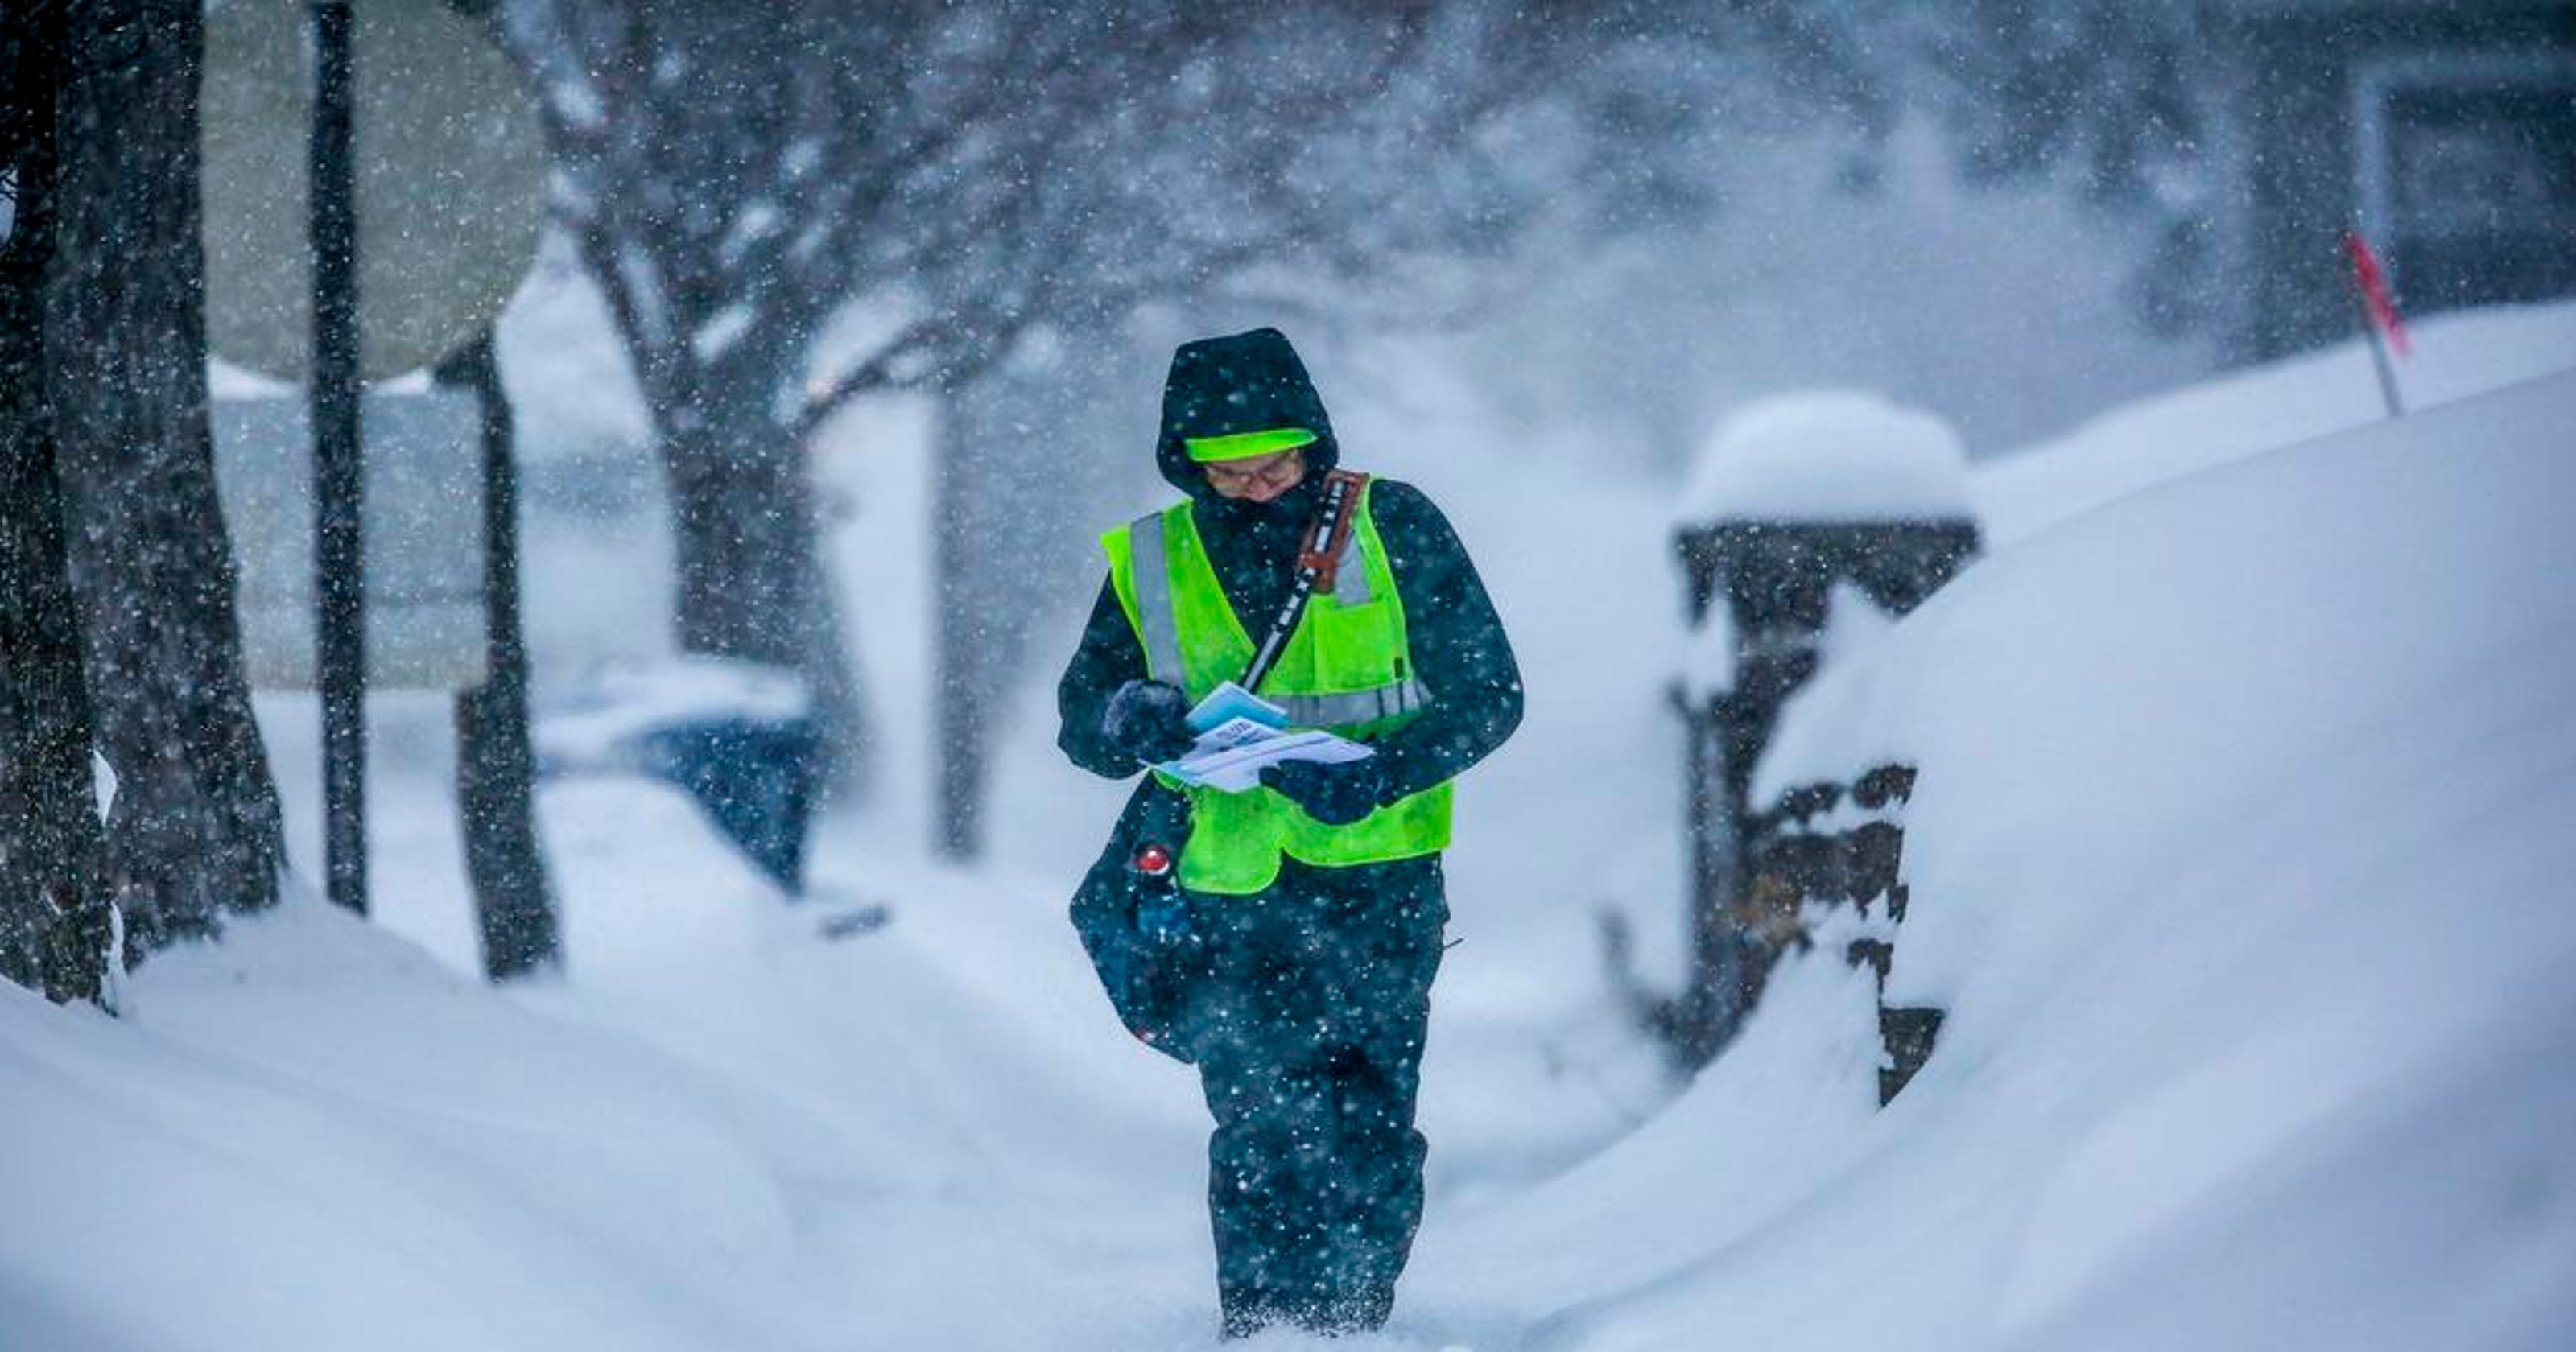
[[496, 768], [1013, 520], [54, 908], [964, 681], [194, 830], [751, 582], [749, 571], [514, 909], [751, 579]]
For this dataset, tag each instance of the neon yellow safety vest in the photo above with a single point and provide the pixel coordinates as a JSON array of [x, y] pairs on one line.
[[1346, 668]]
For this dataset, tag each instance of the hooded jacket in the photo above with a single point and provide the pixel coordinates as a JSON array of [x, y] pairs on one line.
[[1252, 382], [1247, 382]]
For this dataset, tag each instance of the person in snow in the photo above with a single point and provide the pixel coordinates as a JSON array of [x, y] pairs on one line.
[[1315, 899]]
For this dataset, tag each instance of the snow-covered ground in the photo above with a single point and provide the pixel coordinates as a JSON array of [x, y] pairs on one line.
[[2239, 859]]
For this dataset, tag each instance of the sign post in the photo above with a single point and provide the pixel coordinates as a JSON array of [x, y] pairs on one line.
[[374, 178], [339, 541], [2376, 311]]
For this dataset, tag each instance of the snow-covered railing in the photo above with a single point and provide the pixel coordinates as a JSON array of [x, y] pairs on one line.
[[1811, 521], [1825, 862]]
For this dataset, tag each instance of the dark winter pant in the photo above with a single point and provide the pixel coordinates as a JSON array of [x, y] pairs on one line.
[[1308, 1033]]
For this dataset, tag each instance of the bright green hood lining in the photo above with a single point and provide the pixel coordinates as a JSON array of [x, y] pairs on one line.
[[1245, 445]]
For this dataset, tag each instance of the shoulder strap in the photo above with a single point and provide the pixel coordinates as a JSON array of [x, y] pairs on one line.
[[1320, 549]]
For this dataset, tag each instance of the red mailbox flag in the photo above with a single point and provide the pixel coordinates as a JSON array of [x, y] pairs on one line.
[[2372, 283]]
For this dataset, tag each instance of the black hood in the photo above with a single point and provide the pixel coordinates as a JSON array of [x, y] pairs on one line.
[[1243, 382]]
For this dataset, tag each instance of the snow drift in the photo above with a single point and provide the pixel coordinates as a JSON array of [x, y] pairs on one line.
[[2238, 859]]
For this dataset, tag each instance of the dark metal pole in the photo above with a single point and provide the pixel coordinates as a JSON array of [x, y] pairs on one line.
[[339, 552], [2378, 354], [2371, 304]]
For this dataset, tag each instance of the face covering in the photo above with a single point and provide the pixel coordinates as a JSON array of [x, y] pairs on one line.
[[1288, 512]]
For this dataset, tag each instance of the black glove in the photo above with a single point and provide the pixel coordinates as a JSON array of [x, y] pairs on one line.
[[1335, 795], [1148, 720]]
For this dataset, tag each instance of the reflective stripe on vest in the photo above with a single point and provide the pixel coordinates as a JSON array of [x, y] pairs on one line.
[[1350, 580], [1354, 706], [1160, 630]]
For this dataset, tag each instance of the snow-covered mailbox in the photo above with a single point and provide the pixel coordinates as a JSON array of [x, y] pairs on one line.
[[424, 532], [1810, 519]]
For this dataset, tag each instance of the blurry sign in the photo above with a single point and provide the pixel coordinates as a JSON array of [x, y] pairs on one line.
[[424, 532], [450, 169]]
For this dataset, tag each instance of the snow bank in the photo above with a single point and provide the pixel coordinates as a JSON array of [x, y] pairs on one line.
[[2236, 859], [2147, 442], [1829, 455], [722, 1132], [313, 1136], [2230, 623]]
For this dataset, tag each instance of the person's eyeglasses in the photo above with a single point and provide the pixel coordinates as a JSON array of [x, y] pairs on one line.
[[1280, 471]]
